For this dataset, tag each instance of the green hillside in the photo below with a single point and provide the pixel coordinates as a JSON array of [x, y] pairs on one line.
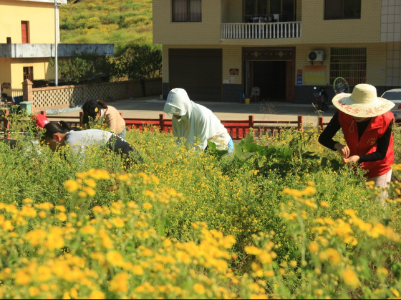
[[121, 22]]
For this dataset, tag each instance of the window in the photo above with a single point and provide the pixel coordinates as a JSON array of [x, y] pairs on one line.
[[187, 10], [28, 73], [283, 10], [25, 32], [349, 63], [342, 9]]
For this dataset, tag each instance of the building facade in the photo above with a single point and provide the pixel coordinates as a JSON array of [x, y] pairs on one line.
[[219, 50], [27, 41]]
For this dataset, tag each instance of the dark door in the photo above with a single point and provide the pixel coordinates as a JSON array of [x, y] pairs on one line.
[[198, 71], [28, 73], [270, 77], [25, 32]]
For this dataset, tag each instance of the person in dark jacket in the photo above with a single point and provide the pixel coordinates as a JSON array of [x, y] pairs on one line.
[[366, 122]]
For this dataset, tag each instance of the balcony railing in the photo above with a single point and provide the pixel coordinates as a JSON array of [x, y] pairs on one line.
[[279, 30]]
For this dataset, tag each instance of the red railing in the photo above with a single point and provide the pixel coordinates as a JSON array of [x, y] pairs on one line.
[[238, 129]]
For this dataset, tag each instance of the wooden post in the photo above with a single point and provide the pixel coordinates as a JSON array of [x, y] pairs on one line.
[[301, 123], [6, 125], [84, 93], [251, 121], [320, 124], [81, 114], [161, 122]]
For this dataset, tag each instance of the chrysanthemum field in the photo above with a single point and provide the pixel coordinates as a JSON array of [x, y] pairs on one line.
[[282, 218]]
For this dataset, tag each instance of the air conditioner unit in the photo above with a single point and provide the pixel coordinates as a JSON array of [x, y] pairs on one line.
[[317, 55]]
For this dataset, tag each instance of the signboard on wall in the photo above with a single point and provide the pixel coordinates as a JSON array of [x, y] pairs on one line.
[[315, 75], [299, 77]]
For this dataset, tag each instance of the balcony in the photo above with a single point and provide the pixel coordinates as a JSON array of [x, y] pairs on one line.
[[48, 50], [277, 30]]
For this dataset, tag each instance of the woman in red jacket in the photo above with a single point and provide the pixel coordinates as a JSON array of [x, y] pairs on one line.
[[366, 122]]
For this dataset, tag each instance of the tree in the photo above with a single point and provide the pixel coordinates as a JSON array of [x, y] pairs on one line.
[[138, 62], [82, 67]]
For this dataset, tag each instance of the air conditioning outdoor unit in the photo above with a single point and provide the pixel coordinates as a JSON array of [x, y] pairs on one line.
[[317, 55]]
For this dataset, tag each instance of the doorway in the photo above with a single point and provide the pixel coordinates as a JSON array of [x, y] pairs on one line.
[[270, 77], [271, 69]]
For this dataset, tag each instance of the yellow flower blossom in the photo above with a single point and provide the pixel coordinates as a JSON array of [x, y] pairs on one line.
[[119, 283], [313, 247], [115, 258], [33, 291], [199, 288], [96, 295], [71, 186], [137, 270], [62, 217], [90, 182], [350, 278]]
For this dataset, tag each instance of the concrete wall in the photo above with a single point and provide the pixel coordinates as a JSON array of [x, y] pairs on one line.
[[165, 31], [5, 73], [391, 21], [393, 76], [41, 70], [376, 60], [232, 58], [46, 1], [314, 28], [235, 11], [39, 14], [364, 30], [48, 50]]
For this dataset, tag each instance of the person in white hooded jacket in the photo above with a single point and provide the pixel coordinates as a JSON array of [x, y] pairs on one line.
[[195, 122]]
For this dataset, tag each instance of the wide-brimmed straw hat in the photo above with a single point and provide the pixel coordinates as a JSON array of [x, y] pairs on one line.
[[363, 102]]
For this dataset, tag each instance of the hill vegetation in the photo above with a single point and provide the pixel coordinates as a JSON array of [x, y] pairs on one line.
[[127, 24], [123, 23]]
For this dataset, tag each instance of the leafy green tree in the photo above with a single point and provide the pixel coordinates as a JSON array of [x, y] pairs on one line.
[[82, 67], [72, 69], [138, 62]]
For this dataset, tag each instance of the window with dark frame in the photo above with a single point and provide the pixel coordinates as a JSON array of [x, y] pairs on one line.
[[187, 10], [342, 9], [349, 63], [28, 73]]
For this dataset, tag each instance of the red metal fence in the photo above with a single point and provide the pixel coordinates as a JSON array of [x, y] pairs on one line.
[[238, 129]]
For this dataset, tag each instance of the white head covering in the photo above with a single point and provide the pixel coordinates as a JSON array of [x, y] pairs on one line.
[[196, 120]]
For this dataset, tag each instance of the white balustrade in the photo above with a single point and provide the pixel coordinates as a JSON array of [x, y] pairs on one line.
[[277, 30]]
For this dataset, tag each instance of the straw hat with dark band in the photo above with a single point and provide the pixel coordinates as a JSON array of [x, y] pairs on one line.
[[363, 102]]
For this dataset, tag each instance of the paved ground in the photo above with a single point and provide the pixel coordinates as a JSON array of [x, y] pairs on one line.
[[274, 111]]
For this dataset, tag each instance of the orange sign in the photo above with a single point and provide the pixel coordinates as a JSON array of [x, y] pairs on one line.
[[315, 75]]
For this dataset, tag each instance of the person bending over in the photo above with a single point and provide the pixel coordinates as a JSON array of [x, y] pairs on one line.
[[101, 113], [60, 134], [193, 121], [366, 122]]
